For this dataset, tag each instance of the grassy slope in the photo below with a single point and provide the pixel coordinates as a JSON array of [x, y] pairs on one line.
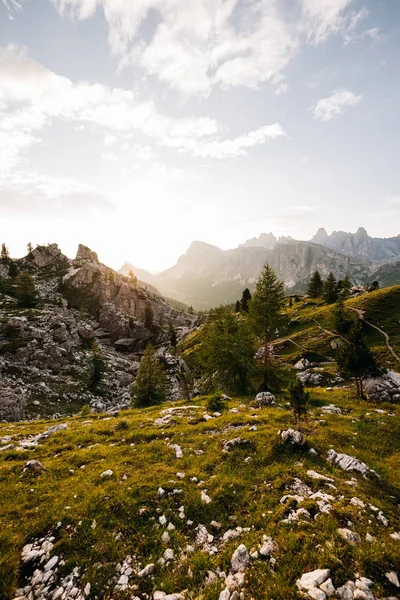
[[382, 308], [243, 494]]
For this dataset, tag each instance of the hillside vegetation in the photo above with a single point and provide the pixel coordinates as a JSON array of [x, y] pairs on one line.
[[168, 466]]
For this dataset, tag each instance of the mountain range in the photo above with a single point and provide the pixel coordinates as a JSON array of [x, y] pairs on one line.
[[207, 276]]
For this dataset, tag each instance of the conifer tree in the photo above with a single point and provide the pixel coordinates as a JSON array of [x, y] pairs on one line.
[[245, 301], [5, 254], [346, 286], [172, 336], [315, 285], [299, 400], [29, 247], [354, 359], [25, 290], [237, 306], [266, 312], [342, 319], [330, 293], [150, 385]]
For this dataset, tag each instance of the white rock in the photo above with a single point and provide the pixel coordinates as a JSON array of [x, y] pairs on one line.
[[225, 594], [148, 570], [165, 538], [87, 589], [316, 475], [240, 559], [293, 436], [205, 498], [345, 593], [348, 535], [349, 463], [123, 580], [313, 579], [169, 554], [107, 473], [393, 578], [327, 587], [316, 593], [265, 399], [51, 563]]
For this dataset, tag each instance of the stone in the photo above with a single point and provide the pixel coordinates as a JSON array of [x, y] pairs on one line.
[[148, 570], [107, 474], [240, 559], [348, 535], [268, 547], [331, 409], [293, 436], [51, 563], [316, 593], [313, 579], [385, 388], [225, 594], [327, 587], [34, 466], [315, 475], [345, 593], [393, 578], [205, 498], [169, 554], [349, 463], [264, 399], [302, 364]]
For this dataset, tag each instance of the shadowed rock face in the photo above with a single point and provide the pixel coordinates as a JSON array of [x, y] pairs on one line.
[[85, 254]]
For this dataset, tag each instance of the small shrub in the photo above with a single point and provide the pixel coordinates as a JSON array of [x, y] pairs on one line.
[[122, 426], [216, 402], [85, 410]]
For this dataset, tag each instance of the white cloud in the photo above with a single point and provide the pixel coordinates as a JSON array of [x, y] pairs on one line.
[[32, 194], [12, 6], [199, 44], [328, 108], [392, 199], [31, 96], [110, 140], [324, 18]]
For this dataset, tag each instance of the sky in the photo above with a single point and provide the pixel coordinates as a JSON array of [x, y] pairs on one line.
[[136, 127]]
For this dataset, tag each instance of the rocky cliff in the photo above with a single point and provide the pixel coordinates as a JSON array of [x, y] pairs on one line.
[[86, 314], [359, 244]]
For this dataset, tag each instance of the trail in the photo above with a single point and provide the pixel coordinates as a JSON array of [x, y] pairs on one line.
[[360, 313], [331, 332]]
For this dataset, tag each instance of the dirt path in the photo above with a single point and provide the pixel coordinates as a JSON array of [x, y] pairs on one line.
[[330, 332], [360, 313]]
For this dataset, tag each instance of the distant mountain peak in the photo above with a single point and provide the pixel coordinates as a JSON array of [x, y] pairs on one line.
[[264, 240]]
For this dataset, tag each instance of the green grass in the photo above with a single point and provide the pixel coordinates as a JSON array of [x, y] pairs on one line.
[[381, 308], [243, 494]]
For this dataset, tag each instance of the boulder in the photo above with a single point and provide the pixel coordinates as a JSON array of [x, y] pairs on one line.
[[264, 399], [313, 579], [34, 466], [293, 436], [302, 364], [240, 559], [385, 388], [12, 404], [349, 463]]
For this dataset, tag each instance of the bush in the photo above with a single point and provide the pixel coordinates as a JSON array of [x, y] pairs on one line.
[[216, 402], [122, 426], [85, 410]]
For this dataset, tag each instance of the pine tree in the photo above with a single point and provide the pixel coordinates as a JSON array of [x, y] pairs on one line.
[[148, 317], [5, 254], [97, 369], [354, 359], [299, 400], [342, 320], [346, 286], [25, 290], [227, 352], [315, 285], [245, 301], [329, 293], [266, 311], [150, 385], [172, 336], [29, 247], [237, 306], [374, 286]]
